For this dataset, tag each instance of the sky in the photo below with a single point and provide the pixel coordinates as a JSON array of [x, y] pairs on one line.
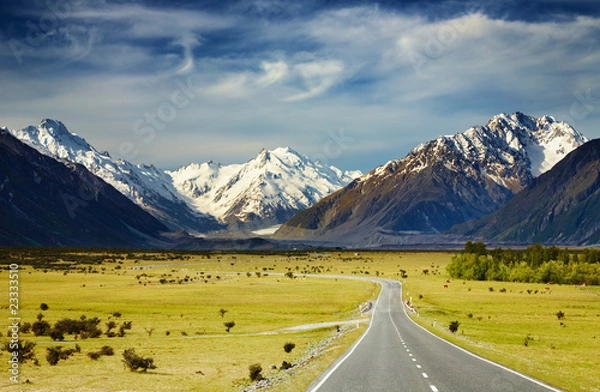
[[351, 83]]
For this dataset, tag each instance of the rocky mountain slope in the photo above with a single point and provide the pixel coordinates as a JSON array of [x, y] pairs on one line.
[[561, 206], [201, 198], [443, 182], [265, 191], [47, 202]]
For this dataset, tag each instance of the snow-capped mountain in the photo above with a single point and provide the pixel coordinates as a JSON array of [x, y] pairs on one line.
[[267, 190], [201, 197], [46, 202], [443, 182], [561, 206], [145, 185]]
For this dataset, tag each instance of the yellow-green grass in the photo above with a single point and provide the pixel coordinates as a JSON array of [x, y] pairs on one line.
[[207, 358], [562, 356], [497, 325]]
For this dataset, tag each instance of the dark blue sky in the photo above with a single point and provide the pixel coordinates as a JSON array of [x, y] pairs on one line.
[[354, 83]]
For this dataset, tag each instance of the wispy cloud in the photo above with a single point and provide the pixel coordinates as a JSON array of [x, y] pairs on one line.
[[265, 73]]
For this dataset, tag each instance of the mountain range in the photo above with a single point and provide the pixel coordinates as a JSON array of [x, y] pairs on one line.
[[44, 201], [438, 184], [517, 179], [561, 206], [201, 198]]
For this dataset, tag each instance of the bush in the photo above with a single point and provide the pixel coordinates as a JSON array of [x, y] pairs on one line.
[[25, 328], [55, 354], [24, 351], [286, 365], [41, 328], [44, 306], [229, 325], [134, 362], [94, 355], [105, 350], [453, 327], [57, 334], [560, 315], [288, 347], [255, 372]]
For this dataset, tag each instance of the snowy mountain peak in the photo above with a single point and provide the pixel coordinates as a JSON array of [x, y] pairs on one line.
[[509, 150], [52, 138], [268, 188]]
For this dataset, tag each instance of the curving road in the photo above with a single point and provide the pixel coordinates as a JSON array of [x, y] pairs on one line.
[[395, 354]]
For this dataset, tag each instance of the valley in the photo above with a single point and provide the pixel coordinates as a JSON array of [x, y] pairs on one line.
[[179, 301]]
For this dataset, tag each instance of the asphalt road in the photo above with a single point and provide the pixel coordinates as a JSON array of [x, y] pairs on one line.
[[395, 354]]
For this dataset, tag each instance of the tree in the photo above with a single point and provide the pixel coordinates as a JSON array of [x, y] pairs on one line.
[[453, 327], [134, 362], [223, 311], [44, 306], [288, 347], [255, 372], [229, 325]]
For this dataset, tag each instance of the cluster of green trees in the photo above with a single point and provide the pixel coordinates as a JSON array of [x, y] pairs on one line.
[[536, 264]]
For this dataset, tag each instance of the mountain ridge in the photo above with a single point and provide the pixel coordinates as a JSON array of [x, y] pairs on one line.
[[558, 207], [189, 198], [440, 183], [44, 201]]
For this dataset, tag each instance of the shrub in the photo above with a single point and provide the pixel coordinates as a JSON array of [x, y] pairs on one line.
[[57, 334], [25, 328], [286, 365], [44, 306], [94, 355], [453, 327], [229, 325], [255, 372], [560, 315], [134, 362], [24, 350], [41, 328], [288, 347], [107, 350], [55, 354]]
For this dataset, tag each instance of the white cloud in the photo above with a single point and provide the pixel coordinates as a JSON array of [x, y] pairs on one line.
[[317, 77], [273, 72], [258, 83]]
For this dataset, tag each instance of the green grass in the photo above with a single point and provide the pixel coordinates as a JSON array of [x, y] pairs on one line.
[[564, 356], [207, 358], [496, 325]]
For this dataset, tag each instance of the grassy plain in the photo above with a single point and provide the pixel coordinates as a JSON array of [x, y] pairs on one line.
[[494, 324], [515, 324], [179, 324]]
